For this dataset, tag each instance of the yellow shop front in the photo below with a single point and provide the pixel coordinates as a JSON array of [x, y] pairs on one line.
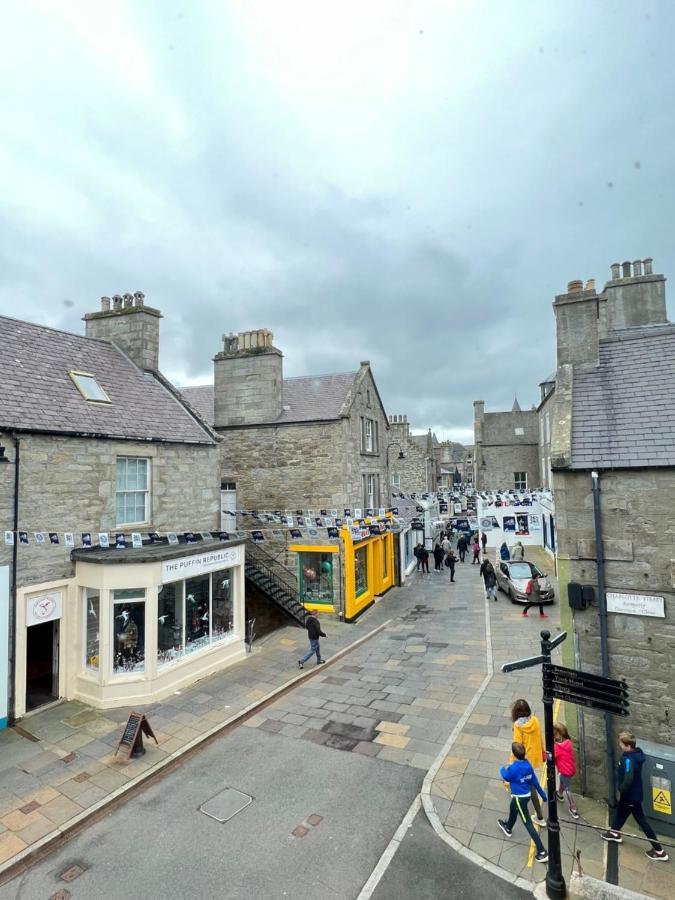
[[345, 578]]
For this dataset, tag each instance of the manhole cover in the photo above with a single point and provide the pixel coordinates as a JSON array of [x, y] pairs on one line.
[[226, 804]]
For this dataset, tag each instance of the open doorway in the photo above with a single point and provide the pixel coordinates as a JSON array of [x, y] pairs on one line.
[[42, 664]]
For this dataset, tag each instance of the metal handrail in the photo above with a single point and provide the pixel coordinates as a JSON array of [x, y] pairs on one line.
[[277, 568], [291, 601]]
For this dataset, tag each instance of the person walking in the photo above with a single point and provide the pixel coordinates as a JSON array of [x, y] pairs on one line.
[[462, 546], [416, 554], [489, 579], [314, 631], [475, 547], [527, 731], [523, 784], [533, 591], [504, 552], [446, 544], [518, 552], [450, 560], [483, 540], [629, 781], [438, 558], [563, 754], [424, 557]]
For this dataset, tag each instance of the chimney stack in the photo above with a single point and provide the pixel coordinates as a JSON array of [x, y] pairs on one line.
[[616, 271], [576, 320], [248, 379], [131, 325], [636, 299]]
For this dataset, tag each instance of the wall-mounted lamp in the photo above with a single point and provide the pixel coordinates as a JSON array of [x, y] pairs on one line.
[[3, 458]]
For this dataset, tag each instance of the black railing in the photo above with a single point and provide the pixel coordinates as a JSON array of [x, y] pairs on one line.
[[275, 581]]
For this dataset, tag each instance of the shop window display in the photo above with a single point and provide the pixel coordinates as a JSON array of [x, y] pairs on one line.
[[316, 577], [221, 605], [361, 571], [197, 613], [170, 619], [128, 629], [92, 612]]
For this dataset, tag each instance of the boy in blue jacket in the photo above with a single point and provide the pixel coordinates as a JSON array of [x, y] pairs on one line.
[[521, 776], [629, 782]]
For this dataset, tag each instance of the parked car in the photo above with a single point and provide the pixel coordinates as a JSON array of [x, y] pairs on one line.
[[512, 578]]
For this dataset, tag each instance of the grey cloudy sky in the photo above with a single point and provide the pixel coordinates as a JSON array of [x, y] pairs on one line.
[[405, 182]]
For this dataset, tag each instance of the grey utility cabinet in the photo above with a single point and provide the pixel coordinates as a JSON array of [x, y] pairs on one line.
[[658, 778]]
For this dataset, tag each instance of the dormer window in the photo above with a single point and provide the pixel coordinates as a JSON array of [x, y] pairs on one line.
[[89, 387]]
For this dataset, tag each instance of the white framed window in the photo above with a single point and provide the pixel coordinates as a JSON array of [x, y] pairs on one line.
[[541, 429], [369, 436], [132, 495], [371, 491], [396, 481], [520, 481], [548, 428], [92, 628]]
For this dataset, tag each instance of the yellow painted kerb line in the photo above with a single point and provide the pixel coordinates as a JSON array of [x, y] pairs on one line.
[[530, 856]]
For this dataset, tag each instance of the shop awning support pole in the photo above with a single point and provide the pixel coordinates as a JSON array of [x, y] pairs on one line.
[[12, 599]]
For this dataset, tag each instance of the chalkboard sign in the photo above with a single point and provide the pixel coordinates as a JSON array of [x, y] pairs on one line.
[[136, 724]]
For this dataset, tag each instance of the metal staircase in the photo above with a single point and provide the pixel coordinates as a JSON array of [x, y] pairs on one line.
[[275, 581]]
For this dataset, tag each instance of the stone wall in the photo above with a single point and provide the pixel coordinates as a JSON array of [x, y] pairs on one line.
[[307, 465], [413, 468], [638, 534], [68, 484], [500, 450]]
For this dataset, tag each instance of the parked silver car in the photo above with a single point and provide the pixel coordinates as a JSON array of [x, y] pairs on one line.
[[512, 578]]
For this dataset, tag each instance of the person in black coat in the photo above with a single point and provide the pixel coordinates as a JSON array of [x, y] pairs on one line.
[[462, 546], [438, 557], [314, 631]]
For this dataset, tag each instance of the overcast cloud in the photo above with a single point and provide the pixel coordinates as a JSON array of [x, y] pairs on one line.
[[405, 182]]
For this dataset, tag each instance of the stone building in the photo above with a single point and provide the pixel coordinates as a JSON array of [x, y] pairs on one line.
[[506, 448], [613, 412], [294, 445], [105, 453], [412, 464]]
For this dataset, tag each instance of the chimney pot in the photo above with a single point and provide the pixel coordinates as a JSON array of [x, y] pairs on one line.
[[616, 271], [626, 269], [117, 301], [590, 284], [573, 287], [139, 297], [648, 265], [105, 304], [128, 300], [637, 268]]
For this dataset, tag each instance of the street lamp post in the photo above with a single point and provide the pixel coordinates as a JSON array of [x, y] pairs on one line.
[[12, 600]]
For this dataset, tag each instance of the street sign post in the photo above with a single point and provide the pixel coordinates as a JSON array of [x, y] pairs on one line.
[[584, 689]]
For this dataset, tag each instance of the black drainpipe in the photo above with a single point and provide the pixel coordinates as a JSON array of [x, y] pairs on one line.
[[612, 873], [12, 603]]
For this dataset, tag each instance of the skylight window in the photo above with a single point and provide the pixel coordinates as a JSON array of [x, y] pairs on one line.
[[89, 387]]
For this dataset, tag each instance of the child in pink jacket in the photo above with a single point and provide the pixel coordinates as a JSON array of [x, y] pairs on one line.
[[566, 766]]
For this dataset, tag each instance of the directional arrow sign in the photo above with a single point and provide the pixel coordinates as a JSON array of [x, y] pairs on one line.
[[590, 702], [601, 696], [523, 663], [581, 686], [560, 673]]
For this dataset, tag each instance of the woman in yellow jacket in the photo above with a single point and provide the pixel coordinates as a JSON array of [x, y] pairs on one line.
[[527, 731]]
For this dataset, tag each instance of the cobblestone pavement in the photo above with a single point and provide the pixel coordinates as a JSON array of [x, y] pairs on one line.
[[468, 796], [406, 688]]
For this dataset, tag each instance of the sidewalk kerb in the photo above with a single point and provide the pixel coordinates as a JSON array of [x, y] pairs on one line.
[[390, 850], [63, 829]]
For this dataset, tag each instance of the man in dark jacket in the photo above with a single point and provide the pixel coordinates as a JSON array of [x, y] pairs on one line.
[[462, 546], [314, 631], [629, 782], [489, 578]]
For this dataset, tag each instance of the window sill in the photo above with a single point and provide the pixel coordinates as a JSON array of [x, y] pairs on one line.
[[370, 453], [127, 526]]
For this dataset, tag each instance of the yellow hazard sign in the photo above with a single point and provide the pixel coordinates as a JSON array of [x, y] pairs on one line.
[[661, 801]]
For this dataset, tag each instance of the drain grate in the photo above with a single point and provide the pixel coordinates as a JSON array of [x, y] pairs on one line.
[[225, 805]]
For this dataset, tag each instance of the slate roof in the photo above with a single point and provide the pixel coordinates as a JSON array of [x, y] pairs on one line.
[[37, 393], [623, 411], [306, 398]]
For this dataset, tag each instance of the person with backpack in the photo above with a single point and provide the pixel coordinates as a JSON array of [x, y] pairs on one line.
[[489, 579], [424, 559], [527, 731], [450, 560], [314, 631], [438, 558]]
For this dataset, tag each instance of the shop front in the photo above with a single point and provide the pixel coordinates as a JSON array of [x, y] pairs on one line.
[[345, 578], [132, 626]]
